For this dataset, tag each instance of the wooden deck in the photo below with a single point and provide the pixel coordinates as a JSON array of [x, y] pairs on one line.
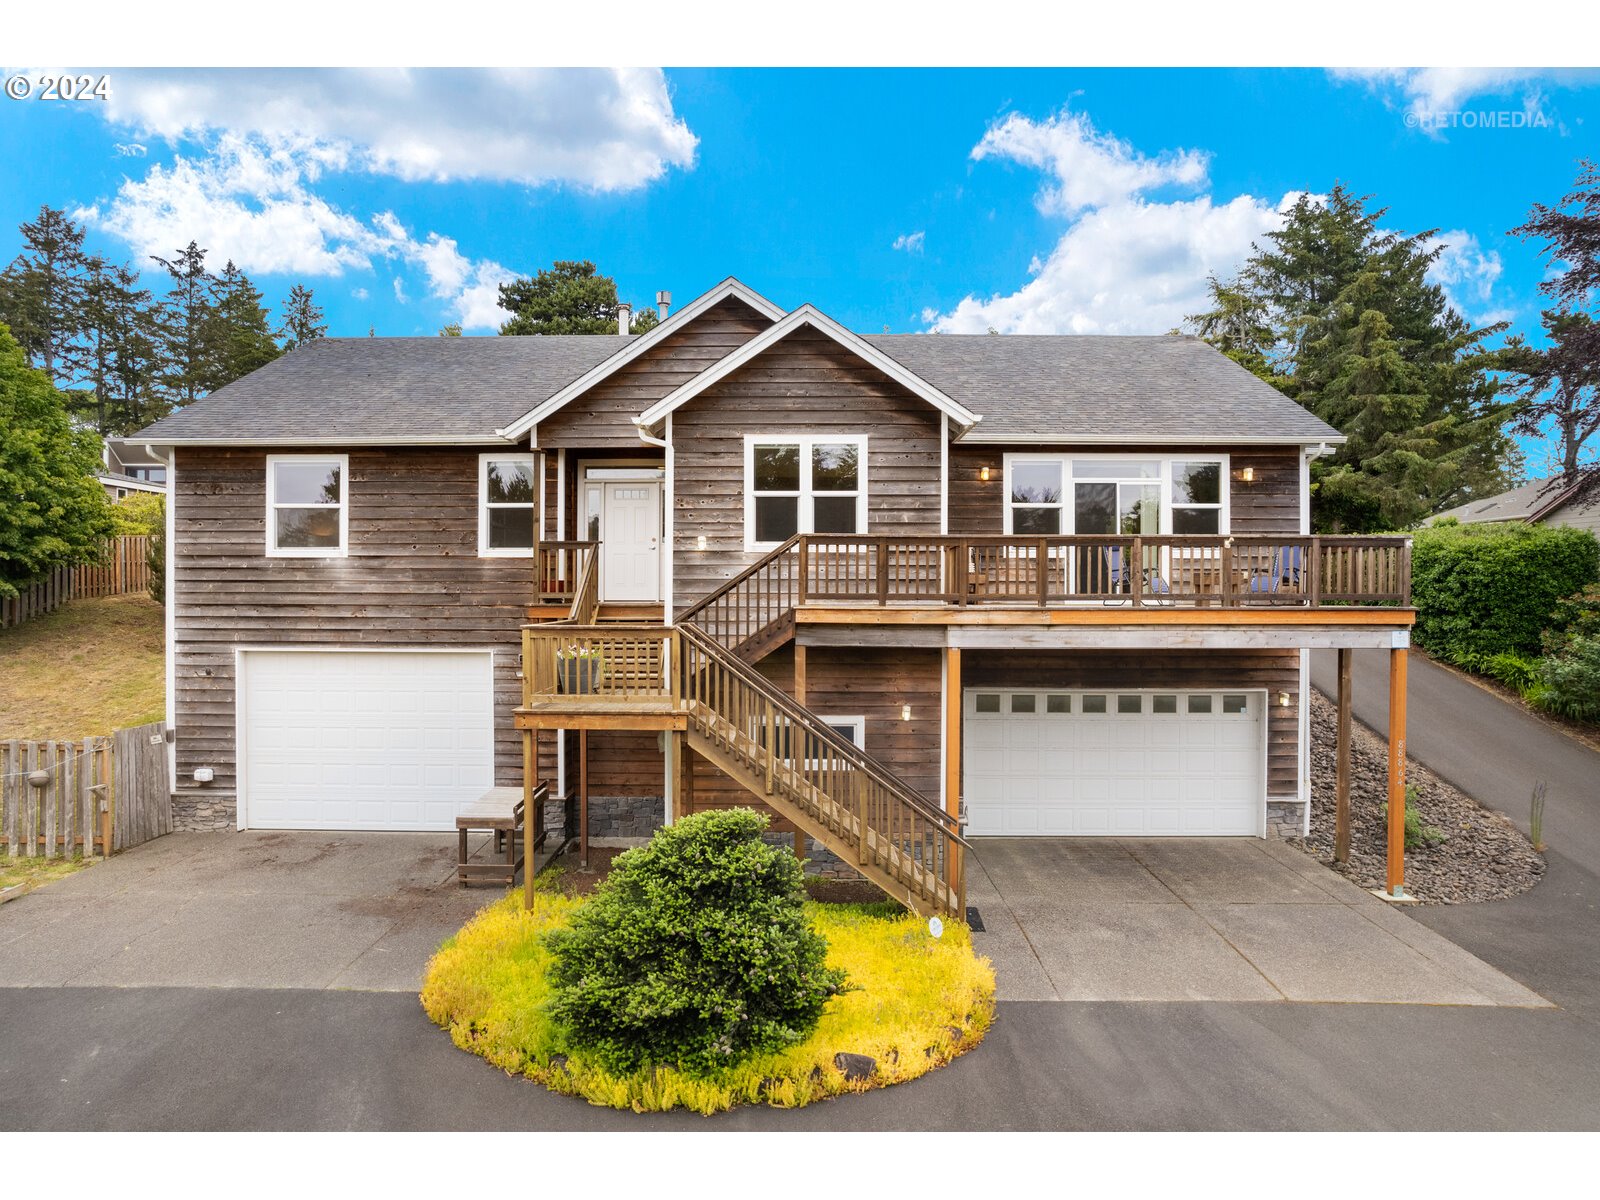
[[599, 712]]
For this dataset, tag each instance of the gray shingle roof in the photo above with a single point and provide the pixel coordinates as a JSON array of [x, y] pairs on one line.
[[1518, 504], [428, 388], [1029, 388], [1033, 387]]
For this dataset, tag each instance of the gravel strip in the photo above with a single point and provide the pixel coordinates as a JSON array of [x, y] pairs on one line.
[[1483, 855]]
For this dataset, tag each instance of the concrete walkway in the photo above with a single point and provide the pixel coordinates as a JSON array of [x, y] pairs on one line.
[[255, 909], [1206, 919]]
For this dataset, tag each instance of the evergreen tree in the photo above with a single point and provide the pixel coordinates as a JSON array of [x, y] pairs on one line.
[[136, 364], [571, 297], [1564, 384], [1338, 313], [1560, 387], [237, 337], [186, 327], [41, 294], [302, 319], [56, 511]]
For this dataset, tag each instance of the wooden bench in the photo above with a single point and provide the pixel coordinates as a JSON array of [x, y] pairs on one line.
[[497, 811]]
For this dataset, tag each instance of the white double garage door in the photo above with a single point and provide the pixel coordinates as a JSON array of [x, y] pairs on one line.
[[1101, 763], [382, 739]]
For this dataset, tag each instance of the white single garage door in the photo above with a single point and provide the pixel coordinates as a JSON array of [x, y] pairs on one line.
[[364, 740], [1114, 764]]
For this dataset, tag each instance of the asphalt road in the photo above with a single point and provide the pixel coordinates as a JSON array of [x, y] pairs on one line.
[[200, 1058]]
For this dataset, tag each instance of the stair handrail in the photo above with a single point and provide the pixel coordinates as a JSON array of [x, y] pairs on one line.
[[761, 564], [845, 749]]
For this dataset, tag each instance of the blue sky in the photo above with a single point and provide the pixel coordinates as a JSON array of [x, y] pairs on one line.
[[1025, 200]]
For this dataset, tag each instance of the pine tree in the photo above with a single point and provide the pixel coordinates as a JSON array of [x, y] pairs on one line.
[[1338, 313], [571, 297], [302, 319], [136, 365], [237, 337], [41, 294], [185, 326]]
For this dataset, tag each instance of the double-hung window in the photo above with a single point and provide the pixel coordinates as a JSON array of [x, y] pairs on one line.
[[803, 485], [308, 509], [505, 505], [1196, 496]]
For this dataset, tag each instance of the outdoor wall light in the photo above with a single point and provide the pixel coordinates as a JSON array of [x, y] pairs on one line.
[[700, 542], [1248, 474], [905, 712], [204, 774], [1283, 699], [983, 474]]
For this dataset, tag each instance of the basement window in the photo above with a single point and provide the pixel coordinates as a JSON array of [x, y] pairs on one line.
[[308, 514]]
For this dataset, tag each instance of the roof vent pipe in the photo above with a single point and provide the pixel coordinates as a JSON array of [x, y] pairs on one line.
[[624, 318], [663, 303]]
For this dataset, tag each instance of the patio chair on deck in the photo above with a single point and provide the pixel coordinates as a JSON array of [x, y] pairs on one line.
[[1119, 578], [1284, 575]]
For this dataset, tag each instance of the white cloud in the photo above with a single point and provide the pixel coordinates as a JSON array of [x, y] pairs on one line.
[[360, 294], [911, 243], [472, 289], [1434, 96], [1124, 264], [601, 129], [1468, 273], [242, 202], [1086, 168], [400, 290], [130, 149]]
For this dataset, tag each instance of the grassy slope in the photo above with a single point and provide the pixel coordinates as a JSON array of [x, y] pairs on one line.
[[90, 667]]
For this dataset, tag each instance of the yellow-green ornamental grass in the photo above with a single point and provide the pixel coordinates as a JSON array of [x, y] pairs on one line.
[[915, 1003]]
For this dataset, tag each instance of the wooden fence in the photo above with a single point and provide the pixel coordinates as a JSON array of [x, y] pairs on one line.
[[116, 786], [122, 569]]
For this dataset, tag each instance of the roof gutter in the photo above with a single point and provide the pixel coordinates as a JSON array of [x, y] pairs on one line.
[[1324, 445], [415, 440]]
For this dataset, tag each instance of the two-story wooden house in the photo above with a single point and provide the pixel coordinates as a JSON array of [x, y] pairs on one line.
[[891, 587]]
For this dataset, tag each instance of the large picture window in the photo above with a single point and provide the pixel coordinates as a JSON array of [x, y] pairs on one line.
[[803, 485], [1112, 494], [506, 493], [307, 505]]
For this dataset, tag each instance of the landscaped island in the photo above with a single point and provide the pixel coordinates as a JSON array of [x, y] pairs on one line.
[[675, 1019]]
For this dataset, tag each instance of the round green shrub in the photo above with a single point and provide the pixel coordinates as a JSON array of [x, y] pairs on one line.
[[694, 953], [1480, 590]]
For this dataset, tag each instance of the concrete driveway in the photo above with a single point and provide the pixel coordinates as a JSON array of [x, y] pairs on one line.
[[1220, 919], [257, 909]]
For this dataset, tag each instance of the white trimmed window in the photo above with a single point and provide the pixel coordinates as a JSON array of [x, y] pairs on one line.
[[506, 495], [1116, 494], [308, 510], [803, 485], [852, 729]]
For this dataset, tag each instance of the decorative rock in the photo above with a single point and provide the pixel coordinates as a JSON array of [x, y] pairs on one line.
[[1483, 855], [856, 1067]]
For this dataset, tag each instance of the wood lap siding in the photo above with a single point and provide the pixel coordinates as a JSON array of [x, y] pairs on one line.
[[854, 683], [1269, 505], [804, 384], [602, 418], [1199, 670], [413, 578]]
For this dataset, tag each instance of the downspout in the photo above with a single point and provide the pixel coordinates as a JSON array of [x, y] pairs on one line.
[[170, 606]]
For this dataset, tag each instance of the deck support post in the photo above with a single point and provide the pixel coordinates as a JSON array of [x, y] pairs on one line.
[[583, 799], [952, 758], [1341, 792], [800, 698], [1396, 874]]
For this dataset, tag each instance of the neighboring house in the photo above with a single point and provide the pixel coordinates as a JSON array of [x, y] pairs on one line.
[[130, 467], [1062, 585], [1541, 502]]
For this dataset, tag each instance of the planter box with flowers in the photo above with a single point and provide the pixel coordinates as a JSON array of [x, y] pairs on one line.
[[579, 670]]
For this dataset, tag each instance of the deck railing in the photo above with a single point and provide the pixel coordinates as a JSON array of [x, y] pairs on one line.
[[1136, 570], [557, 568], [584, 662]]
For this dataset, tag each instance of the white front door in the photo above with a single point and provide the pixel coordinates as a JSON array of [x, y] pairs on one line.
[[630, 542], [354, 739], [1110, 763]]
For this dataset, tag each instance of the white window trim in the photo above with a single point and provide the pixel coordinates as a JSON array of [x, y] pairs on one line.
[[1164, 461], [342, 550], [484, 549], [857, 723], [804, 517]]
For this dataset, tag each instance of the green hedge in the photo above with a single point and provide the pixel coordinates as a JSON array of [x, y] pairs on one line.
[[1482, 590]]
